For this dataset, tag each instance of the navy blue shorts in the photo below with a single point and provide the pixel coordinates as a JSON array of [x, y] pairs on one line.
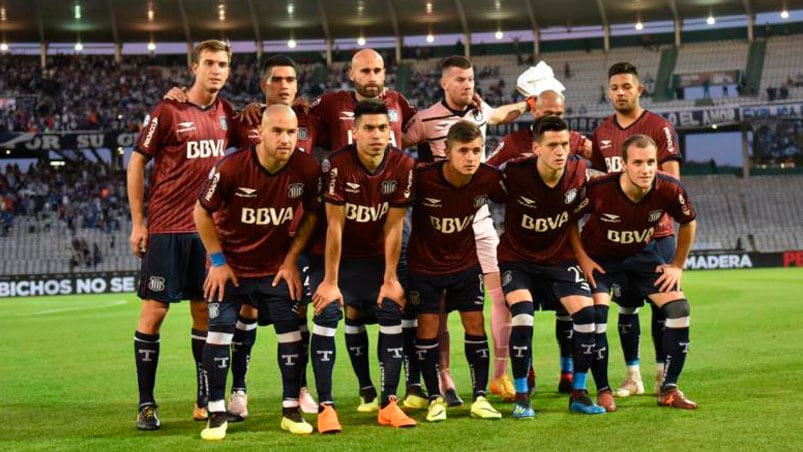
[[274, 303], [634, 277], [303, 268], [464, 291], [360, 280], [173, 268], [547, 284], [628, 295]]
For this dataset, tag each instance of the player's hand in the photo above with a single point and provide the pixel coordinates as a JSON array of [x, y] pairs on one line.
[[302, 103], [476, 101], [670, 277], [290, 274], [586, 148], [215, 282], [531, 100], [139, 240], [326, 293], [177, 94], [588, 266], [251, 114], [392, 290]]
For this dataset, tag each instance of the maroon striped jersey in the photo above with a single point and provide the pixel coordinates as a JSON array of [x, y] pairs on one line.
[[185, 142], [537, 217], [521, 142], [618, 227], [442, 235], [367, 197], [607, 140], [254, 208], [332, 117]]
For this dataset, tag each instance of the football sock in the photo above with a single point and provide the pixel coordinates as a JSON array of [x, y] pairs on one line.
[[658, 325], [322, 349], [304, 358], [216, 363], [245, 333], [427, 353], [583, 339], [599, 364], [357, 346], [676, 339], [564, 334], [289, 358], [411, 365], [391, 348], [630, 334], [478, 356], [146, 356], [521, 339]]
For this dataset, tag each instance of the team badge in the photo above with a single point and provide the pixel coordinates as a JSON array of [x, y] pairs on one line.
[[156, 284], [393, 115], [388, 187], [654, 215], [507, 277], [214, 310], [224, 124], [295, 190], [477, 114], [480, 201], [414, 297], [303, 133], [617, 290], [570, 196], [325, 166], [684, 207]]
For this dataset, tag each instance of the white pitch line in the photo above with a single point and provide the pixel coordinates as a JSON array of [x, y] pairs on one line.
[[76, 308]]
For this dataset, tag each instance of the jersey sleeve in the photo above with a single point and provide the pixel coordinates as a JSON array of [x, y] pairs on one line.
[[681, 208], [498, 192], [155, 130], [404, 176], [316, 124], [414, 132], [667, 140], [312, 190], [597, 159], [213, 190], [333, 184], [240, 133], [408, 110], [576, 140], [504, 151]]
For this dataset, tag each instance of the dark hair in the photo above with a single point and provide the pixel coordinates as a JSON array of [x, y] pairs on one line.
[[622, 68], [639, 141], [280, 61], [462, 132], [549, 123], [214, 45], [455, 61], [370, 107]]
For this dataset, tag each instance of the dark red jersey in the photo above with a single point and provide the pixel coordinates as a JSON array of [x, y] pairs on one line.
[[442, 236], [254, 208], [185, 142], [367, 197], [618, 227], [521, 142], [537, 217], [332, 117], [607, 143]]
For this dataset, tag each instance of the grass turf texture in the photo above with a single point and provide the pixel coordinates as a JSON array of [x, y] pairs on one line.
[[68, 382]]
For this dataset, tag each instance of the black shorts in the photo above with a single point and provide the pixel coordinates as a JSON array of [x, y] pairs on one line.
[[628, 295], [359, 282], [464, 291], [303, 268], [547, 284], [274, 303], [173, 268], [634, 276]]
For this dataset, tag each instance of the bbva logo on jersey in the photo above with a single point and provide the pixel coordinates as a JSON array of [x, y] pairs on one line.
[[266, 215], [202, 149]]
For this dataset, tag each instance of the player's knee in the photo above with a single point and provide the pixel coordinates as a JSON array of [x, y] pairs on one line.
[[285, 328], [388, 313], [473, 323], [676, 309], [522, 313], [585, 316], [329, 316], [600, 315]]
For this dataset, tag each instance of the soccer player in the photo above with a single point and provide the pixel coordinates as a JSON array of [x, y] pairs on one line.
[[443, 261], [629, 118], [547, 103], [428, 130], [185, 141], [536, 258], [255, 194], [618, 242], [367, 189]]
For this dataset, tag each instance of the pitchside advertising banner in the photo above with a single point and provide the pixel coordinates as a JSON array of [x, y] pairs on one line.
[[727, 260]]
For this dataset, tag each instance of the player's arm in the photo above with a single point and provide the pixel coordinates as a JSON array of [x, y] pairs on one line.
[[220, 272], [289, 268], [587, 265], [671, 167], [135, 185], [328, 290], [391, 287], [672, 272], [413, 132], [507, 113]]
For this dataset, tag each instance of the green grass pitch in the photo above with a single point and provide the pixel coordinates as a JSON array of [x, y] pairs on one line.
[[67, 382]]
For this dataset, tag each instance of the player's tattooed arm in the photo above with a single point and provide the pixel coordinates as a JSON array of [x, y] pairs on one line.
[[587, 265], [507, 113]]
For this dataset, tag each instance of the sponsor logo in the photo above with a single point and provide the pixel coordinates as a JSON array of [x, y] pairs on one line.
[[332, 180], [151, 131], [266, 215], [654, 215], [478, 116], [315, 102], [431, 202], [156, 284], [526, 202], [365, 214], [393, 115], [570, 196], [212, 186], [614, 164], [670, 141], [245, 192], [295, 190], [409, 184], [224, 124], [610, 218], [346, 116], [303, 134], [442, 126], [352, 187], [414, 297], [507, 277], [719, 261], [683, 205], [205, 148], [184, 127], [451, 225], [628, 237], [604, 144], [544, 224], [146, 120], [388, 187]]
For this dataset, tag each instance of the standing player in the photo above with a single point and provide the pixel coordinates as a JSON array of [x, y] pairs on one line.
[[367, 191], [428, 130], [443, 259], [624, 91], [547, 103], [255, 194], [536, 258], [618, 242], [185, 141]]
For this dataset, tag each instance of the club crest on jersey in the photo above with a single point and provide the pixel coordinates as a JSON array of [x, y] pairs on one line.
[[295, 190], [570, 196], [480, 201], [478, 114], [325, 166], [388, 187], [617, 290], [393, 115], [414, 297], [156, 284], [654, 215], [303, 133], [224, 124]]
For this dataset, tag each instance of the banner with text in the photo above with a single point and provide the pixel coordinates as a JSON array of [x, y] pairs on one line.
[[68, 284], [727, 260]]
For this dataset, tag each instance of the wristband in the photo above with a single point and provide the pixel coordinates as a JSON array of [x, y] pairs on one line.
[[218, 259]]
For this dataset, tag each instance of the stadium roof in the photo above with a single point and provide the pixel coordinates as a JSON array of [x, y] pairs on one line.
[[250, 20]]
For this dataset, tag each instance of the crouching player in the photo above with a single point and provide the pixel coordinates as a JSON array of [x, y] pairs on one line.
[[617, 242], [536, 258], [253, 195], [442, 259]]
